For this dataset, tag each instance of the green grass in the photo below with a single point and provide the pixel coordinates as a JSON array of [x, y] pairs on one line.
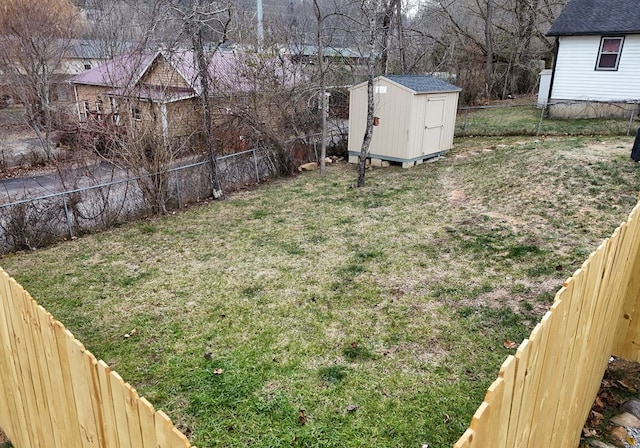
[[380, 312], [524, 119]]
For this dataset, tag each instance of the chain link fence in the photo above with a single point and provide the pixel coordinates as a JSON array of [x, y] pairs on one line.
[[530, 119], [35, 222]]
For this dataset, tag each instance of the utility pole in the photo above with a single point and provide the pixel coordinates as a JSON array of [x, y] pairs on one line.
[[260, 26]]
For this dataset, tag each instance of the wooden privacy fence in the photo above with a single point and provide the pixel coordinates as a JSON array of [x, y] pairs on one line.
[[55, 393], [544, 393]]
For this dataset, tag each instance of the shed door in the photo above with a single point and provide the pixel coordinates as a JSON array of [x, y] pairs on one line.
[[434, 124]]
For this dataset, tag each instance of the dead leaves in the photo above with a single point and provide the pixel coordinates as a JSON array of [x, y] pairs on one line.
[[621, 379], [303, 417], [509, 344]]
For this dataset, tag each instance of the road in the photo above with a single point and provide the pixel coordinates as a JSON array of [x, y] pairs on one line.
[[38, 185]]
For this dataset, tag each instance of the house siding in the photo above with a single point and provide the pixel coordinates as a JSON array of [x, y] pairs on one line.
[[91, 94], [185, 118], [576, 78], [163, 74]]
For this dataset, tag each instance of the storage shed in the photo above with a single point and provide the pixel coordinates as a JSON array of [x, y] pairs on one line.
[[415, 119]]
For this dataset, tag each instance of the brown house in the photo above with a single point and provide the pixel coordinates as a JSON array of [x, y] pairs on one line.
[[152, 91]]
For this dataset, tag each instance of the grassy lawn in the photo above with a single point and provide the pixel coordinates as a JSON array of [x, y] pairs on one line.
[[523, 118], [380, 314]]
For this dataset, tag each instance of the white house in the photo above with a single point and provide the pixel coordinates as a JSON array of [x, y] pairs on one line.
[[597, 62]]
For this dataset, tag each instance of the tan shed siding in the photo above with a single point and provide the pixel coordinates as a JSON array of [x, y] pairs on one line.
[[390, 137], [418, 117], [393, 108], [357, 117], [401, 133], [163, 74], [451, 112], [426, 147]]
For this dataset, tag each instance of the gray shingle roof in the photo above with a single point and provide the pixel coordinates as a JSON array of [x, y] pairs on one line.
[[423, 83], [582, 17]]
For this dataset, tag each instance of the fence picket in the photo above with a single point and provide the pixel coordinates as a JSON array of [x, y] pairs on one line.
[[163, 426], [119, 404], [466, 440], [508, 374], [548, 403], [48, 419], [631, 342], [26, 386], [536, 348], [522, 357], [147, 423], [542, 378], [56, 396], [13, 422], [582, 352], [82, 392], [479, 423], [492, 418], [133, 418], [108, 412]]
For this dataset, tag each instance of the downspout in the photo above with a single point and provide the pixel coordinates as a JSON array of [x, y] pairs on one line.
[[553, 73]]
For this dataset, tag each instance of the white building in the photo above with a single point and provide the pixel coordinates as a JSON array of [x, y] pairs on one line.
[[597, 63]]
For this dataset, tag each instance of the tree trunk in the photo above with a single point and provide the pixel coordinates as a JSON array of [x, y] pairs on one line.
[[323, 87], [203, 74], [488, 36], [401, 41], [371, 69], [368, 133], [387, 16]]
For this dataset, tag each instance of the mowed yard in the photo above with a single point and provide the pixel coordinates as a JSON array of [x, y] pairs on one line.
[[309, 313]]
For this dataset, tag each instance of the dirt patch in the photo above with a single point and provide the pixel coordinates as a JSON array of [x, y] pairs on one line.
[[526, 291], [457, 196], [598, 151]]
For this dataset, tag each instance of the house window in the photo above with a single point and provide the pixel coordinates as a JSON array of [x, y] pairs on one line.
[[115, 113], [99, 110], [86, 110], [136, 113], [609, 54], [87, 66]]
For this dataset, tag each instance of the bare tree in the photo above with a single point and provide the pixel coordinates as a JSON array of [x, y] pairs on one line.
[[322, 76], [371, 10], [276, 104], [35, 36], [495, 48], [199, 18]]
